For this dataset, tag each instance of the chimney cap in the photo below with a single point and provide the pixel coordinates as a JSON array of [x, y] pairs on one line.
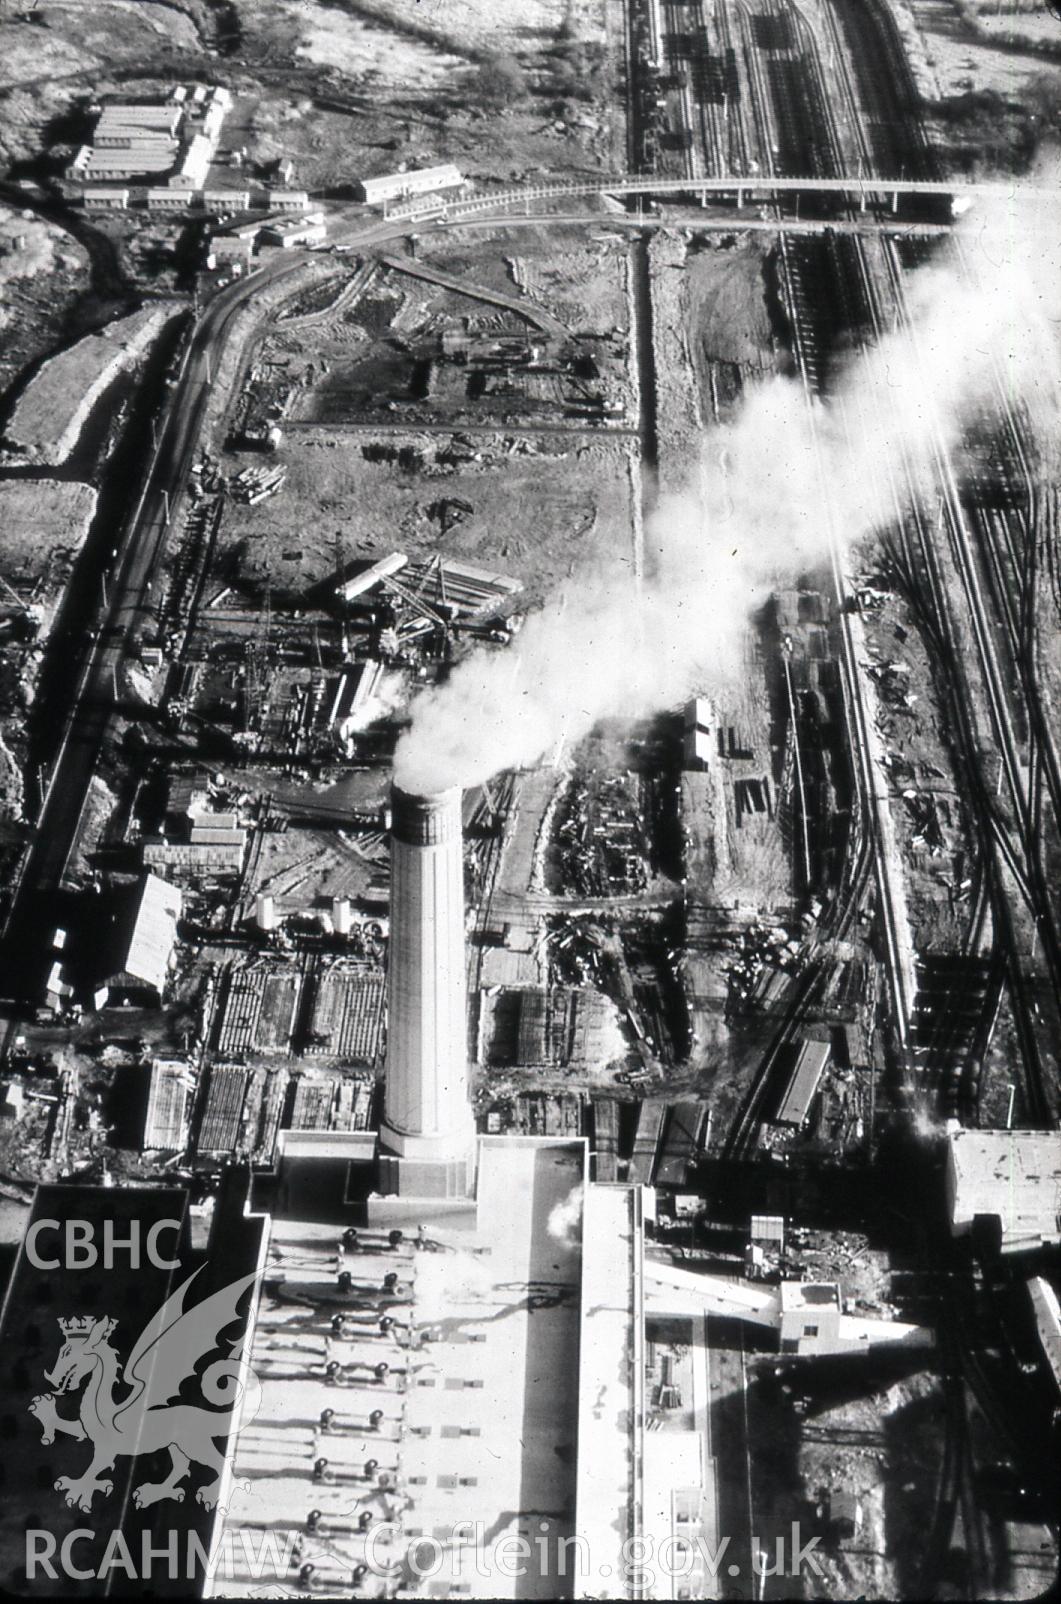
[[426, 820]]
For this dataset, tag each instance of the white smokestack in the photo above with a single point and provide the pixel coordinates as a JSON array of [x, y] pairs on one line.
[[426, 1109]]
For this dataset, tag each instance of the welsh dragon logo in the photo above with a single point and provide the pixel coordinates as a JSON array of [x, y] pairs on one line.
[[133, 1414]]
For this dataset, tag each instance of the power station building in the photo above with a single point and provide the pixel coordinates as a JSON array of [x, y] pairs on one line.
[[460, 1342]]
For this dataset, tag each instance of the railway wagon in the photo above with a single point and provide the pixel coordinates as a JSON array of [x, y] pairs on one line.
[[606, 1137], [682, 1140], [646, 1141]]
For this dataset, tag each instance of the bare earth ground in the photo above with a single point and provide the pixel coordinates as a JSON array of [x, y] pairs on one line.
[[80, 37], [42, 273], [573, 500], [469, 26], [578, 274], [961, 62], [42, 521]]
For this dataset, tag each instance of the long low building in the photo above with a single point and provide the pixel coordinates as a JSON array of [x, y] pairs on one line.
[[397, 186], [143, 158], [106, 200], [122, 125], [170, 199]]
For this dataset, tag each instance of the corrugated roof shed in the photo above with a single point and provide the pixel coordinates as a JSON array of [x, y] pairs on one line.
[[166, 1120], [126, 116], [223, 1111], [194, 858], [803, 1084], [208, 836]]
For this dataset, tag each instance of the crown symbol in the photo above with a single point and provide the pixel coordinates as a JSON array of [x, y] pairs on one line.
[[83, 1325], [78, 1326]]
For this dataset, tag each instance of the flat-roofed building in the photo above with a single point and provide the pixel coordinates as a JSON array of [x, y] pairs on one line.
[[1009, 1179], [195, 163], [213, 120], [812, 1060], [301, 233]]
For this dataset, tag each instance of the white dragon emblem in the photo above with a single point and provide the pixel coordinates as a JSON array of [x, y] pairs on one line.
[[164, 1356]]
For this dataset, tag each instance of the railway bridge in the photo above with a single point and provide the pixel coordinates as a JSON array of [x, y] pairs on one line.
[[745, 188]]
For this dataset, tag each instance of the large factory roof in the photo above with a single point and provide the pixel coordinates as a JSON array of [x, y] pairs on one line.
[[144, 953], [479, 1399]]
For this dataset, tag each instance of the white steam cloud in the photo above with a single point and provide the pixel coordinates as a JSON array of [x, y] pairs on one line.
[[565, 1218], [762, 502]]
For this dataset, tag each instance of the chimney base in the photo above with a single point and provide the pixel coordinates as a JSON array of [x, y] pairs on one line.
[[435, 1179], [456, 1142], [436, 1165]]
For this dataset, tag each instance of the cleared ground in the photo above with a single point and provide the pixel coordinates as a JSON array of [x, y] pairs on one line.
[[468, 26], [42, 524], [74, 37], [338, 505], [53, 408], [43, 271]]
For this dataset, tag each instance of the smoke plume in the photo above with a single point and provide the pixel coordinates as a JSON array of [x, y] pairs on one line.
[[768, 495]]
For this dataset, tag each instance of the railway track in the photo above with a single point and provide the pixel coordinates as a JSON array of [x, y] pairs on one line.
[[994, 541], [1005, 857], [826, 295]]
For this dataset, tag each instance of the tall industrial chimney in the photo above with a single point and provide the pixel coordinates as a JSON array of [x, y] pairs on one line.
[[427, 1120]]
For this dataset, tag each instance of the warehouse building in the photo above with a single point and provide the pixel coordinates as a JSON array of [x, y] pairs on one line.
[[120, 127]]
